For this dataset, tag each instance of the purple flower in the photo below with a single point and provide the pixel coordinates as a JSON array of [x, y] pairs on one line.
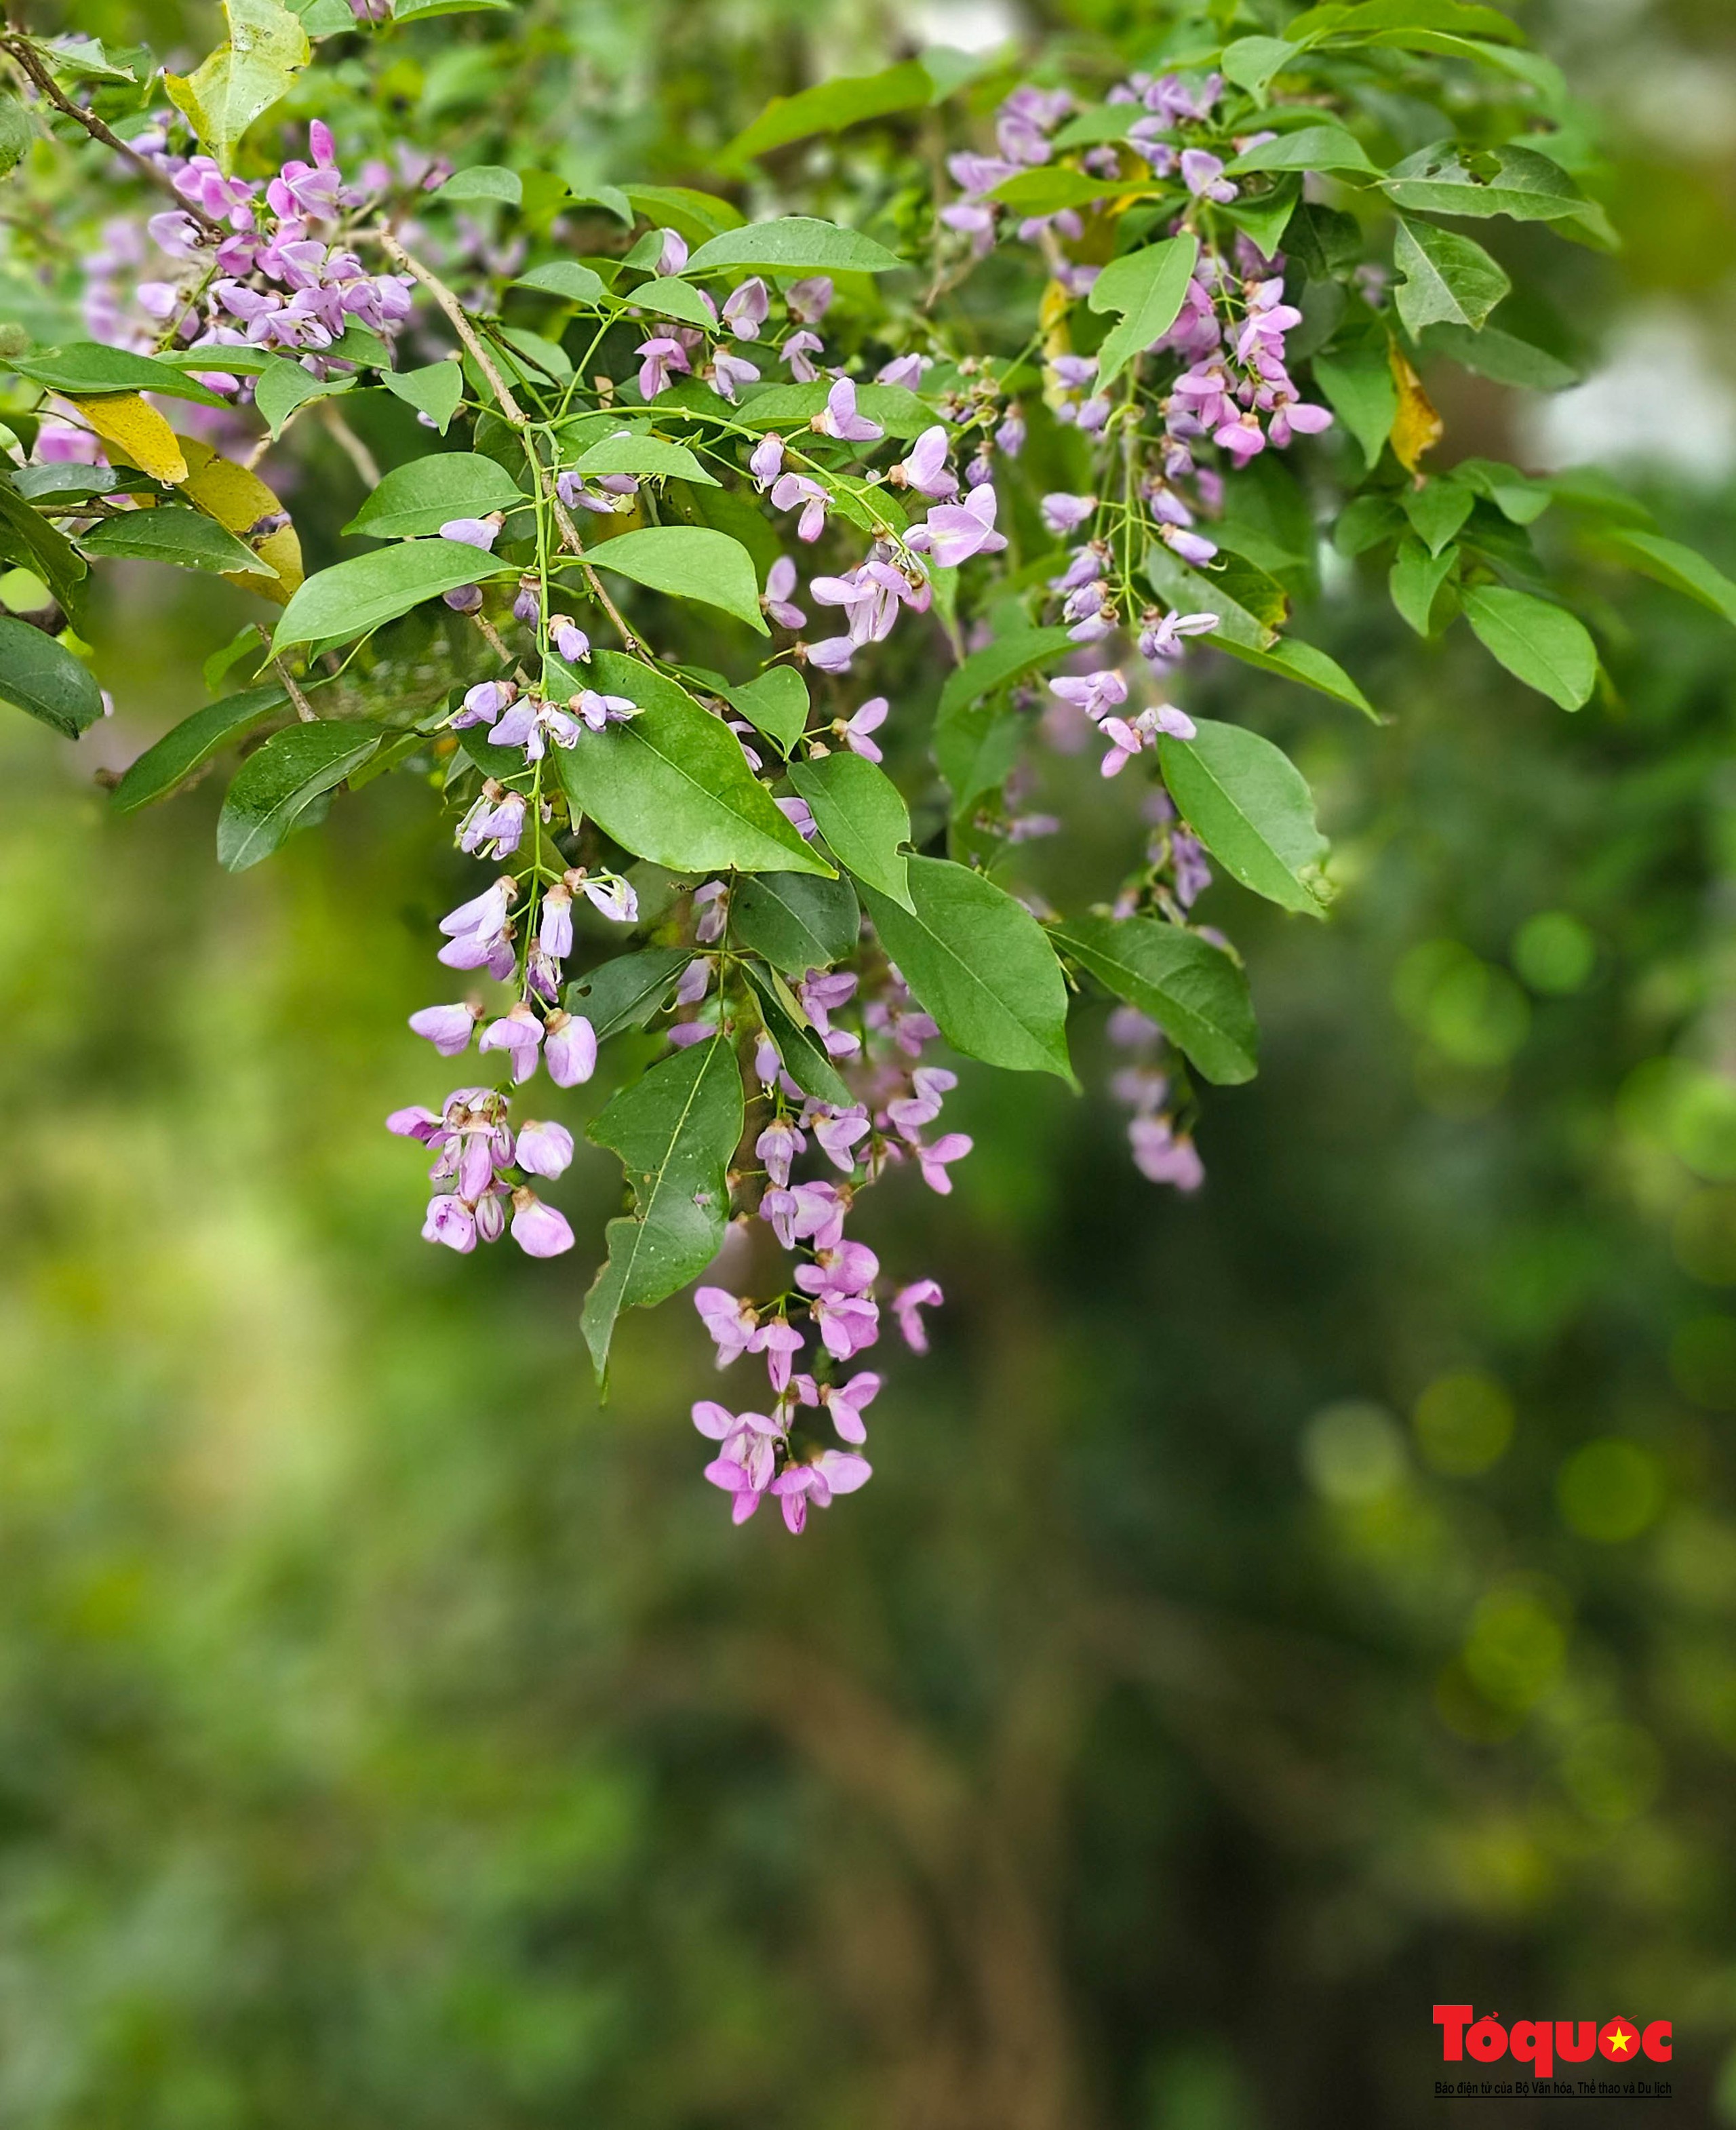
[[797, 350], [657, 358], [837, 1135], [451, 1221], [1092, 693], [416, 1123], [952, 1146], [617, 899], [926, 469], [790, 489], [555, 935], [903, 369], [1064, 513], [545, 1149], [712, 902], [809, 300], [673, 257], [1193, 875], [767, 462], [597, 710], [539, 1230], [953, 533], [570, 1049], [907, 1305], [841, 418], [781, 581], [832, 654], [483, 704], [779, 1342], [1296, 418], [1202, 175], [519, 1033], [448, 1028], [730, 1320], [911, 1114], [746, 309], [1189, 546], [473, 532], [846, 1402], [463, 598], [832, 1472], [1010, 435], [777, 1146], [496, 821], [728, 373], [570, 641], [1162, 1157], [1160, 641], [854, 733]]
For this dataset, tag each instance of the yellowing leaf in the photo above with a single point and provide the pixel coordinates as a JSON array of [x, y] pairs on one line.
[[1416, 427], [266, 46], [240, 501], [137, 432]]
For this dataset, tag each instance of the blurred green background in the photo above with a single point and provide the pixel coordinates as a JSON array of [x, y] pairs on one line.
[[1273, 1613]]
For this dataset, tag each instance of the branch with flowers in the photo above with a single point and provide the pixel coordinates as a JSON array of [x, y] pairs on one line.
[[748, 593]]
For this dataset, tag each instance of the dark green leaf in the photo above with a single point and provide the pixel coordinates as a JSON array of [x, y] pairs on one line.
[[862, 815], [648, 456], [28, 539], [1519, 183], [1196, 994], [1247, 803], [1677, 567], [350, 598], [430, 492], [187, 538], [1312, 148], [1363, 392], [1216, 590], [565, 277], [797, 921], [1292, 660], [43, 677], [1438, 509], [1501, 357], [83, 367], [1415, 581], [626, 991], [1447, 280], [776, 703], [674, 1130], [285, 386], [1148, 288], [980, 963], [434, 390], [272, 787], [804, 1055], [1007, 658], [193, 743], [1542, 645]]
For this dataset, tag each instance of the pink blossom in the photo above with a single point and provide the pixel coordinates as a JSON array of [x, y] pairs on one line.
[[545, 1149], [791, 488], [926, 469], [953, 533], [845, 1402], [781, 581], [658, 357], [1160, 1156], [519, 1033], [837, 1135], [777, 1146], [540, 1230], [809, 299], [728, 373], [797, 350], [766, 462], [841, 418], [854, 731], [730, 1321], [569, 1052], [834, 1472], [1202, 175], [952, 1146], [907, 1305]]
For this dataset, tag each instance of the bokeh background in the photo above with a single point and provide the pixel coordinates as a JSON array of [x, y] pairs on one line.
[[1274, 1612]]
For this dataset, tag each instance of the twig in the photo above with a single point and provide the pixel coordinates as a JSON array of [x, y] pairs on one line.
[[303, 709], [351, 444], [18, 47], [515, 418], [495, 640]]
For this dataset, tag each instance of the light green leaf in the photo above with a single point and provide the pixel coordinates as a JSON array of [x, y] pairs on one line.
[[422, 10], [481, 181], [830, 106], [1414, 582], [1542, 645], [430, 492], [689, 562], [324, 18], [670, 298], [1251, 62], [43, 677], [1196, 994], [1199, 591], [674, 1130], [861, 814], [650, 457], [1292, 660], [27, 539], [435, 390], [899, 412], [1363, 392], [17, 134], [980, 963], [1447, 280], [804, 1055], [672, 785], [697, 216], [1054, 189], [565, 277], [285, 386], [84, 59], [1007, 658], [626, 991], [186, 538], [191, 744], [1502, 357], [796, 921], [1310, 148], [86, 367], [274, 786], [1439, 509], [776, 703], [352, 599], [267, 48], [1247, 803], [1359, 20], [1147, 287], [1520, 183], [1677, 567], [797, 244]]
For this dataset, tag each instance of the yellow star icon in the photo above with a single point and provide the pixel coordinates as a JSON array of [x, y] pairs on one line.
[[1621, 2041]]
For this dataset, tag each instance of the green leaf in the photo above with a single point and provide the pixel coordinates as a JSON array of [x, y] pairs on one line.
[[1148, 288], [652, 457], [861, 814], [1502, 357], [980, 963], [674, 1130], [1311, 148], [1414, 582], [243, 79], [1053, 190], [1263, 217], [830, 106], [1361, 391], [422, 11], [1359, 20], [626, 991], [672, 785], [354, 598], [43, 677], [1518, 182], [324, 18], [84, 59], [1447, 280], [696, 215], [689, 562], [1542, 645], [899, 412], [1368, 521], [776, 705], [17, 134], [976, 749], [796, 245], [186, 538], [430, 492], [804, 1055], [276, 785], [434, 390], [1516, 495], [1677, 567], [481, 181], [285, 386], [1251, 62], [1292, 660], [85, 367], [797, 922], [1196, 994], [1214, 591], [565, 277], [1007, 658], [1247, 803], [1438, 509], [191, 744], [670, 298], [28, 539]]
